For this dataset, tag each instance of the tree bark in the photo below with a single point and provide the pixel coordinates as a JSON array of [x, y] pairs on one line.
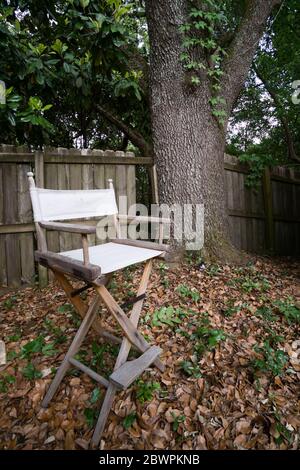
[[188, 142]]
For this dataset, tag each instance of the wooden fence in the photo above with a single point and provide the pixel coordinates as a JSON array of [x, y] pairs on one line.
[[265, 219]]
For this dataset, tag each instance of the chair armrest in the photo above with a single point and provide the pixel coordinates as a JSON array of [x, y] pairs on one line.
[[143, 218], [68, 265], [141, 244], [64, 227]]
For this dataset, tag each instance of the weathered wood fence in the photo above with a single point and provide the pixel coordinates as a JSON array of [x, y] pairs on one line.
[[265, 219]]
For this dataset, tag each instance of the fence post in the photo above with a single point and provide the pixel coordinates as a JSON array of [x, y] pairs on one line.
[[268, 203], [39, 181]]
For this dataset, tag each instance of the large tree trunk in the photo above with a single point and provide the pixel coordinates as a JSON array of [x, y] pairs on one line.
[[188, 141]]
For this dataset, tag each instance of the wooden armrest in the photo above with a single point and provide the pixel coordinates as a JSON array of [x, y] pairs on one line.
[[73, 228], [68, 265], [141, 244], [143, 218]]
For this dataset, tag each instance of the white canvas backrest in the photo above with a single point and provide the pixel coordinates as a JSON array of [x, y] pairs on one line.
[[53, 204]]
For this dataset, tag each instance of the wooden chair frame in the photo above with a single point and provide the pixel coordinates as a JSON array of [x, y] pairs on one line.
[[125, 372]]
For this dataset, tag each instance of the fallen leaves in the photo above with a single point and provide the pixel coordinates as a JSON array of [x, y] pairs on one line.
[[222, 403]]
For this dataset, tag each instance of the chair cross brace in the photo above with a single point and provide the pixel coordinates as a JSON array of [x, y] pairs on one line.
[[122, 377], [78, 291], [132, 301]]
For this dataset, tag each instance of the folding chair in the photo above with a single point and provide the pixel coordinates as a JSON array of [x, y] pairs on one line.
[[94, 266]]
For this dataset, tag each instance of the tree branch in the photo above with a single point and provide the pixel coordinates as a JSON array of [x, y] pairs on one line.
[[133, 135], [243, 47], [284, 121]]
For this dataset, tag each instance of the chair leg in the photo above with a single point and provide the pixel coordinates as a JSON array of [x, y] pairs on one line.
[[122, 357], [76, 301], [130, 330], [76, 343]]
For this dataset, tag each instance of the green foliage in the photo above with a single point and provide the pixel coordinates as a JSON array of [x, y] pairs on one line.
[[90, 416], [177, 420], [257, 163], [251, 282], [31, 372], [272, 360], [95, 396], [265, 120], [168, 316], [206, 336], [37, 345], [59, 334], [16, 336], [266, 312], [289, 310], [98, 351], [213, 270], [91, 412], [200, 40], [9, 303], [129, 420], [5, 382], [231, 309], [185, 292], [190, 369], [146, 390]]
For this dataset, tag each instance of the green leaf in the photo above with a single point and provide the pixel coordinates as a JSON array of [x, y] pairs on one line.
[[31, 373], [96, 395], [129, 420], [84, 3]]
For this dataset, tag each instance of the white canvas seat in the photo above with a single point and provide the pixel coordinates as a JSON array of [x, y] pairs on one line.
[[111, 257]]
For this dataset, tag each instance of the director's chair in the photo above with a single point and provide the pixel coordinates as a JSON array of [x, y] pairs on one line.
[[94, 266]]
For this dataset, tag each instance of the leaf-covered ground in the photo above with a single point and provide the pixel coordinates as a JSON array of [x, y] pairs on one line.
[[231, 345]]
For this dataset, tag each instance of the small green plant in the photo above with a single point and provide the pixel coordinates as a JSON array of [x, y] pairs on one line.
[[129, 420], [90, 416], [266, 313], [11, 355], [95, 396], [213, 270], [163, 268], [6, 380], [232, 309], [31, 372], [58, 333], [282, 433], [271, 360], [16, 336], [98, 351], [177, 420], [187, 293], [288, 309], [145, 390], [168, 316], [37, 345], [9, 303], [249, 284], [206, 336], [69, 310], [90, 413], [190, 369]]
